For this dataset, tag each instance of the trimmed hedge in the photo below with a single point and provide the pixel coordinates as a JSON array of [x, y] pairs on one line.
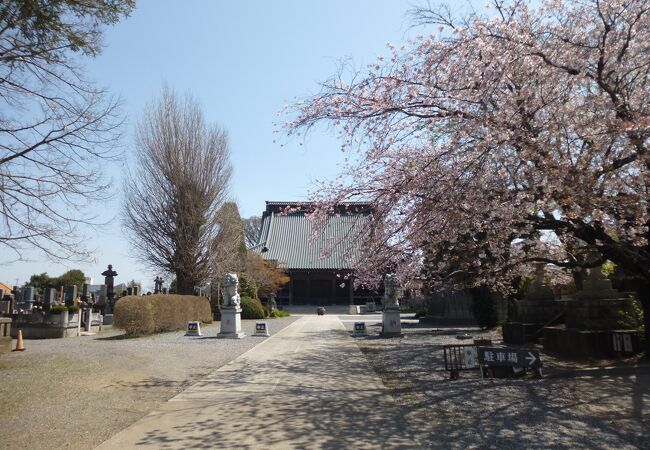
[[157, 313], [252, 309], [279, 313]]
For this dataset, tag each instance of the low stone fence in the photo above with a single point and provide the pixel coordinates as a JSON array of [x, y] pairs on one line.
[[51, 326]]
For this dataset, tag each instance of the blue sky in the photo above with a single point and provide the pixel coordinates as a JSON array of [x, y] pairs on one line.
[[243, 60]]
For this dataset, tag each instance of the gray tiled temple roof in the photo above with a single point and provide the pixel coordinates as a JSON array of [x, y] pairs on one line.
[[287, 238]]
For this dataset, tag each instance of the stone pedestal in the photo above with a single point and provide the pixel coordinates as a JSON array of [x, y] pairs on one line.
[[391, 323], [598, 313], [538, 309], [600, 307], [231, 323]]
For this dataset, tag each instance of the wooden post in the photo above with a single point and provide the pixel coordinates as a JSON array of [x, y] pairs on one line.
[[291, 275], [351, 289], [309, 285]]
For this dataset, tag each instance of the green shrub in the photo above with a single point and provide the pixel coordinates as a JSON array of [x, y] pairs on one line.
[[247, 287], [73, 308], [58, 309], [420, 313], [158, 313], [252, 309], [279, 313]]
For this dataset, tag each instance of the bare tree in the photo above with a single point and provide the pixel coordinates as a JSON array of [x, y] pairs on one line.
[[181, 182], [230, 242], [252, 229], [56, 129]]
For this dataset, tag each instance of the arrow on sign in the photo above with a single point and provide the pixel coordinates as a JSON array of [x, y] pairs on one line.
[[531, 359]]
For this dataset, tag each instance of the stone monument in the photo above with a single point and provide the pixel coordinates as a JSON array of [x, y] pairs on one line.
[[49, 298], [231, 309], [28, 300], [391, 322], [85, 293], [538, 309], [157, 285], [594, 321], [70, 294], [109, 281], [109, 275]]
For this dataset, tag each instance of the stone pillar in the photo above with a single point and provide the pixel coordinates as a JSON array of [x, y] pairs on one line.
[[391, 320], [89, 318], [231, 323]]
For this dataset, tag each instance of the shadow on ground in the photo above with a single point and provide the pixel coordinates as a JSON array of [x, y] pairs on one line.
[[596, 410], [345, 409]]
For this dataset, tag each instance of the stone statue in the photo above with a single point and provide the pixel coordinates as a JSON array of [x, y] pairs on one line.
[[158, 285], [391, 289], [272, 303], [230, 290], [108, 281]]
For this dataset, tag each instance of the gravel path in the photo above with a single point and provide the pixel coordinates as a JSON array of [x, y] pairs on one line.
[[77, 392], [584, 409]]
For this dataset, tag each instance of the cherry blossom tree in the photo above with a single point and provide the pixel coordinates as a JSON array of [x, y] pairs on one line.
[[508, 137]]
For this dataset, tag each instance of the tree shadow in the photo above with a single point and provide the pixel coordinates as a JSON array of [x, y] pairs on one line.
[[593, 411], [322, 397]]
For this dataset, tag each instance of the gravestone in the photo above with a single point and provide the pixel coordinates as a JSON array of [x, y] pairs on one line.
[[5, 303], [231, 309], [109, 281], [136, 290], [85, 292], [592, 320], [157, 285], [164, 291], [129, 291], [391, 321], [5, 306], [535, 311], [101, 301], [69, 295], [27, 301], [49, 298]]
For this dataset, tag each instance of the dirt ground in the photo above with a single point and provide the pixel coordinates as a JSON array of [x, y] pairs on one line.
[[77, 392], [575, 405]]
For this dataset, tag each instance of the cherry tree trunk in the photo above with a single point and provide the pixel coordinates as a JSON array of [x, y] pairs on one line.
[[644, 297]]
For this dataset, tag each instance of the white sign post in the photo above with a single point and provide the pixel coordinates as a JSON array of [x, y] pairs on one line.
[[193, 329]]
